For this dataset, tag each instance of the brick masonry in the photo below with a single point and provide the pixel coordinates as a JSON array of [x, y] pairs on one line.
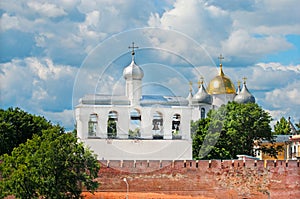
[[215, 178]]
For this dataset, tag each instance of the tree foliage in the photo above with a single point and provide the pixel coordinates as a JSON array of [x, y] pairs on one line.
[[16, 126], [53, 165], [298, 127], [230, 131], [282, 127]]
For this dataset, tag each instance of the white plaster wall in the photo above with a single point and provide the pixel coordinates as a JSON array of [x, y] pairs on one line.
[[141, 149], [221, 99], [134, 91]]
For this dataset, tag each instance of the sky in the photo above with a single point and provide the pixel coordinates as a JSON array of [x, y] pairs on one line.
[[52, 52]]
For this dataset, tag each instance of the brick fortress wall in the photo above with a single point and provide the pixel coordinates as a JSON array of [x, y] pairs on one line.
[[215, 178]]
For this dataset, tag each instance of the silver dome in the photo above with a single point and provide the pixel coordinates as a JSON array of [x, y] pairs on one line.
[[133, 71], [244, 96], [201, 97]]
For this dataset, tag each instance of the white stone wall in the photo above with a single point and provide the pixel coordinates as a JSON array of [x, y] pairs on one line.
[[83, 113], [134, 91], [221, 99], [140, 149]]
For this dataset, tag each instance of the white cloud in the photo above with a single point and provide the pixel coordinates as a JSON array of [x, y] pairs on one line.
[[8, 22], [286, 97], [37, 85], [65, 31], [46, 9], [207, 24], [241, 42]]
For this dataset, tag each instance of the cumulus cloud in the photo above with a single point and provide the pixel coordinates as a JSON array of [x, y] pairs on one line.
[[46, 9], [37, 85], [43, 42]]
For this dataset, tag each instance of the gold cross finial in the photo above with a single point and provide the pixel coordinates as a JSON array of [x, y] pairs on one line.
[[132, 47], [200, 82], [244, 79], [239, 83], [191, 86], [220, 58]]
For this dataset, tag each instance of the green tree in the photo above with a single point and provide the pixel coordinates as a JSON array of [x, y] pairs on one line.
[[282, 127], [230, 131], [53, 165], [111, 129], [16, 126], [298, 127]]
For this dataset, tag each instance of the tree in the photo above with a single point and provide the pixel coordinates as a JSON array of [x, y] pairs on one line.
[[111, 129], [53, 165], [230, 131], [298, 127], [16, 126], [282, 127]]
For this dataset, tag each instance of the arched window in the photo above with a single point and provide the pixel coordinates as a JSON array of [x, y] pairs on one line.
[[135, 124], [157, 126], [93, 121], [112, 124], [202, 114], [176, 126]]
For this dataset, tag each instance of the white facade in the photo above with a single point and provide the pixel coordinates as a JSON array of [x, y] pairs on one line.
[[144, 127]]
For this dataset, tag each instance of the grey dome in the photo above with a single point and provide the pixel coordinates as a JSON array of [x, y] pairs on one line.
[[202, 97], [244, 96], [133, 71]]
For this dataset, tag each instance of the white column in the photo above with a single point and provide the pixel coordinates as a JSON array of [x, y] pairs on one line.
[[123, 122], [146, 123], [168, 118]]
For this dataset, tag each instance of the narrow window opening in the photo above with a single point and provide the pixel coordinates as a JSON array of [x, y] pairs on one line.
[[157, 126], [112, 125], [176, 134], [92, 125]]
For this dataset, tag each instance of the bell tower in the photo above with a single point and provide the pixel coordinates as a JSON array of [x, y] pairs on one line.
[[133, 75]]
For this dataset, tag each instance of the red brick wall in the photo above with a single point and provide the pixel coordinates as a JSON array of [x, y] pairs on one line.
[[227, 179]]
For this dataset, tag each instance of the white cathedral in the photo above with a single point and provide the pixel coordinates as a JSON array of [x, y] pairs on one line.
[[149, 127]]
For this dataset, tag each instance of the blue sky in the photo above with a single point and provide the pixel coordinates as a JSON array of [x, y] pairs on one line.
[[53, 52]]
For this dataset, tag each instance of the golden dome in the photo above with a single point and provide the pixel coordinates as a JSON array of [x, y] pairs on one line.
[[221, 84]]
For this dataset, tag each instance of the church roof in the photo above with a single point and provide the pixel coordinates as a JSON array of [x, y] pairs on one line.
[[202, 97], [146, 100], [244, 96], [149, 100], [133, 71], [221, 84], [100, 99]]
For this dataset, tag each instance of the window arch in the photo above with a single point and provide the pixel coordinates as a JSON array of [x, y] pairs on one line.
[[176, 126], [157, 126], [135, 124], [112, 121], [92, 125], [202, 113]]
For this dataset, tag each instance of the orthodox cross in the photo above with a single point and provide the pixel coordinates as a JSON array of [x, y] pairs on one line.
[[220, 58], [191, 86], [200, 82], [133, 47], [239, 83], [244, 79]]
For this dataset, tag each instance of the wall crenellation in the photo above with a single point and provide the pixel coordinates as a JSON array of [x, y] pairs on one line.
[[217, 178], [197, 164]]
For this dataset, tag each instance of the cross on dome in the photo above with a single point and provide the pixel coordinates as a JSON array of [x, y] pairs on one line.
[[239, 83], [200, 82], [244, 79], [191, 86], [132, 47], [220, 58]]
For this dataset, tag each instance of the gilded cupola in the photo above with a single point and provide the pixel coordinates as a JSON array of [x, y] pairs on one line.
[[221, 84]]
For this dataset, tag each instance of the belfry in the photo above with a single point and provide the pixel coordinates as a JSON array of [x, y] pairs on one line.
[[150, 127]]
